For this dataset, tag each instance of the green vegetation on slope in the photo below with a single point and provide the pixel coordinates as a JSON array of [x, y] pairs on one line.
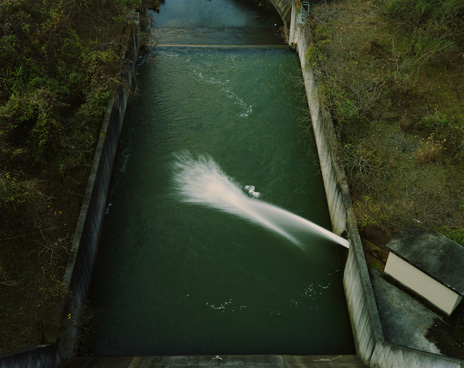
[[391, 73], [59, 64]]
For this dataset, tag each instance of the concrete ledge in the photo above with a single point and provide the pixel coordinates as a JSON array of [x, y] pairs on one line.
[[248, 361], [388, 355]]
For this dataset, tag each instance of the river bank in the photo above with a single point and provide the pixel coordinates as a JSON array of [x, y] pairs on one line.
[[67, 59], [399, 118]]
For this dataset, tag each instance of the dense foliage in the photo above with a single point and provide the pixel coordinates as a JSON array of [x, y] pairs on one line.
[[57, 68]]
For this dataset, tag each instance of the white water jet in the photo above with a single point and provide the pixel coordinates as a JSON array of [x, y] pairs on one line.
[[203, 182]]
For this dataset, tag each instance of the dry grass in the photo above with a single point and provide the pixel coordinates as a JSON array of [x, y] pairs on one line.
[[403, 146]]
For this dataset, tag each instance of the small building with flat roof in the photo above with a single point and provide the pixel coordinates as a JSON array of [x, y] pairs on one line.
[[429, 264]]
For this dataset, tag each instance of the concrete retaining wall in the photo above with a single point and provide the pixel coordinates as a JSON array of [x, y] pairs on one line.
[[336, 189], [78, 273], [80, 268], [370, 344], [363, 312], [364, 316]]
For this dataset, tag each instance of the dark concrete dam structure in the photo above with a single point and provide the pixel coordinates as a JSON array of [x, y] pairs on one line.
[[206, 247]]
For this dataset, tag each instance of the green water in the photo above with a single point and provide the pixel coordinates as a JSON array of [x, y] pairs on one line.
[[179, 278]]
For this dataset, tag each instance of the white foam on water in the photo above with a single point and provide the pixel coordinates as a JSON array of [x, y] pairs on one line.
[[246, 109]]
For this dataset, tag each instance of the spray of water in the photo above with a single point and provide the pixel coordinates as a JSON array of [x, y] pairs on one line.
[[202, 181]]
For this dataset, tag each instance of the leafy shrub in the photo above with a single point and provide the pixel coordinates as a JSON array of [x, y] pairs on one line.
[[435, 26], [386, 214], [430, 150], [365, 170], [54, 65], [346, 83], [13, 192]]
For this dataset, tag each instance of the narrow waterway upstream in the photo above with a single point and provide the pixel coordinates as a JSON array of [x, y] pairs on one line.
[[180, 278]]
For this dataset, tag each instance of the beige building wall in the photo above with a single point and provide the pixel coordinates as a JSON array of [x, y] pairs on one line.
[[435, 292]]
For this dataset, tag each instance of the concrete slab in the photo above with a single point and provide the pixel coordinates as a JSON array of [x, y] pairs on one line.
[[405, 321]]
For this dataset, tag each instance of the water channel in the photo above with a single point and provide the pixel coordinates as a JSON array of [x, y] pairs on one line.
[[174, 277]]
